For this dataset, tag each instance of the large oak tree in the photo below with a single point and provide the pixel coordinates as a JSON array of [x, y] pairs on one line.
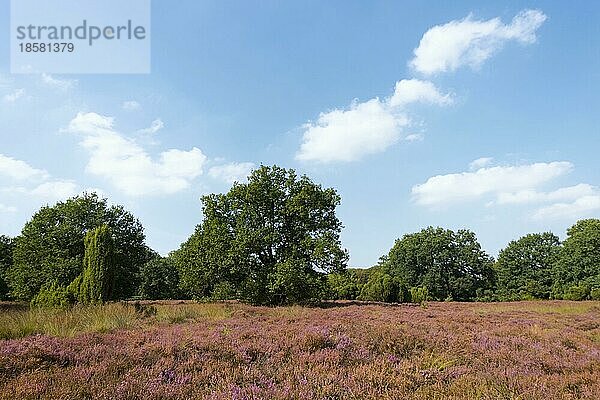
[[267, 241]]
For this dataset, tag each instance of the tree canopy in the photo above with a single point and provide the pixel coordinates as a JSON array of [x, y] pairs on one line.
[[450, 265], [6, 260], [159, 280], [525, 267], [51, 247], [577, 272], [266, 241]]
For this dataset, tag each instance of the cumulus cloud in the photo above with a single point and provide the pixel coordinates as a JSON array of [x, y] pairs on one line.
[[569, 193], [127, 165], [232, 172], [366, 128], [467, 186], [55, 190], [33, 182], [348, 135], [480, 162], [61, 84], [470, 42], [409, 91], [14, 96], [582, 207], [19, 170], [131, 105]]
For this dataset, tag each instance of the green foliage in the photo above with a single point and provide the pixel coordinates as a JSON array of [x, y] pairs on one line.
[[6, 261], [524, 267], [577, 292], [449, 264], [383, 287], [159, 280], [293, 283], [223, 291], [419, 295], [52, 296], [578, 265], [97, 280], [51, 246], [348, 284], [265, 238]]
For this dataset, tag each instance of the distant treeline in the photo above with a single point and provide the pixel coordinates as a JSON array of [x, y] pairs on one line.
[[276, 240]]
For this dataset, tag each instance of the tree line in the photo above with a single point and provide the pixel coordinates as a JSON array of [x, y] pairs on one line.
[[276, 240]]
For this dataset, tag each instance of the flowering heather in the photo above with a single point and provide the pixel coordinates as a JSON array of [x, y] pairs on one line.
[[526, 350]]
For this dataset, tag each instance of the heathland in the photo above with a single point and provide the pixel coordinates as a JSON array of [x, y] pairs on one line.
[[342, 350]]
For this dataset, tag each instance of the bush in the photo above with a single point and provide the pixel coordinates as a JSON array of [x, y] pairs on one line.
[[97, 281], [53, 296], [419, 294], [383, 287], [577, 292]]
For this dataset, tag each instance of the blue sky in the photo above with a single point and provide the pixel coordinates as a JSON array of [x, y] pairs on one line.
[[463, 114]]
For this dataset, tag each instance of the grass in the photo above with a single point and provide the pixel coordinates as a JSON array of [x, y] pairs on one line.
[[21, 321], [524, 350], [540, 307]]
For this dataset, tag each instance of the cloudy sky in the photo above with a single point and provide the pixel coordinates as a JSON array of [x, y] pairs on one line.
[[463, 114]]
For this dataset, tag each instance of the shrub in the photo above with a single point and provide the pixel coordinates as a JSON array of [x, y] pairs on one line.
[[97, 280], [53, 296], [419, 294], [577, 292], [383, 287]]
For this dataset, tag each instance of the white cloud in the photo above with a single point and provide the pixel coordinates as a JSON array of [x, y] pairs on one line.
[[366, 128], [232, 172], [581, 207], [417, 91], [155, 126], [466, 186], [56, 190], [348, 135], [127, 165], [61, 84], [480, 162], [569, 193], [19, 170], [131, 105], [14, 96], [7, 209], [470, 42]]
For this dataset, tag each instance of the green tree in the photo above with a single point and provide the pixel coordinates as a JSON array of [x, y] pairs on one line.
[[97, 279], [159, 280], [383, 287], [524, 267], [6, 260], [577, 270], [451, 265], [348, 284], [51, 246], [52, 296], [264, 238]]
